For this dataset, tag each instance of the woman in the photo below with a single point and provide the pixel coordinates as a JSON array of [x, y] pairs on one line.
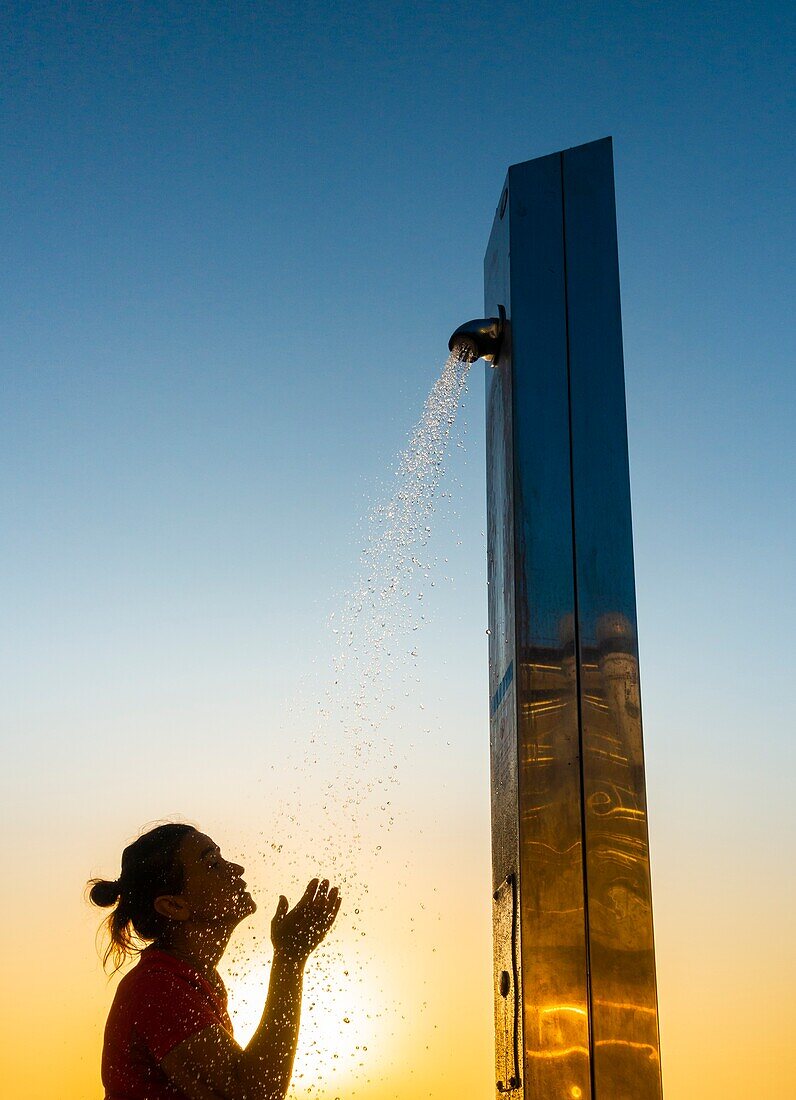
[[168, 1033]]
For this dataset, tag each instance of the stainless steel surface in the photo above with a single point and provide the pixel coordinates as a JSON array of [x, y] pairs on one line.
[[479, 339], [624, 1004], [565, 733], [508, 1044], [548, 814], [502, 651]]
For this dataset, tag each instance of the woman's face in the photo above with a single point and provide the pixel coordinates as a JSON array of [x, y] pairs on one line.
[[214, 889]]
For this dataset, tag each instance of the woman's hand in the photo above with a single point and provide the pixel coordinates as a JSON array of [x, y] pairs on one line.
[[296, 933]]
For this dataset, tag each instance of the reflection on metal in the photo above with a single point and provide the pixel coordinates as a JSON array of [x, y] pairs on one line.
[[479, 339], [508, 1041], [569, 820]]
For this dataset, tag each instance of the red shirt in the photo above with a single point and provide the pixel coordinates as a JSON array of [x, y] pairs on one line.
[[158, 1004]]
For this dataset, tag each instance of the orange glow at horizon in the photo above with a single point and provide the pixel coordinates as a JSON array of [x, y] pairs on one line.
[[444, 965]]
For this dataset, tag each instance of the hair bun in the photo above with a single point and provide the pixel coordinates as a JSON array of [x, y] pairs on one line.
[[104, 893]]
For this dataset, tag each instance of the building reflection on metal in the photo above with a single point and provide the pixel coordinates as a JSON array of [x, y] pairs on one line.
[[575, 999]]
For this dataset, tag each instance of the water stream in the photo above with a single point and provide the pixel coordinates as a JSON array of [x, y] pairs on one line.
[[349, 763], [378, 618]]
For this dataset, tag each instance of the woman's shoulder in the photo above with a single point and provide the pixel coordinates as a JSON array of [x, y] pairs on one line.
[[155, 969], [154, 960], [160, 1002], [158, 973]]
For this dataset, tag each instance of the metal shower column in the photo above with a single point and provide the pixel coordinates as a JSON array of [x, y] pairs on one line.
[[575, 996]]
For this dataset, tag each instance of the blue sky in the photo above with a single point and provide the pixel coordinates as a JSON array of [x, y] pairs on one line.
[[236, 237], [224, 220]]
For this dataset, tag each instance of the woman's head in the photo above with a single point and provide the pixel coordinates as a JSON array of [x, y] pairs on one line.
[[171, 875]]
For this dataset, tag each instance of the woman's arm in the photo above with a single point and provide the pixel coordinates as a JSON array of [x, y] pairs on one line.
[[210, 1065], [269, 1056]]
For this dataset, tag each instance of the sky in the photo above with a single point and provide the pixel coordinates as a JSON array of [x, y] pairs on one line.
[[236, 237]]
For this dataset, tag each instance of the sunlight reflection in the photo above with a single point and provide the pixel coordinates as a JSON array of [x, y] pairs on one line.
[[337, 1027]]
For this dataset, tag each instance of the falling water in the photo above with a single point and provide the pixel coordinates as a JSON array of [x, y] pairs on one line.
[[381, 613], [374, 631]]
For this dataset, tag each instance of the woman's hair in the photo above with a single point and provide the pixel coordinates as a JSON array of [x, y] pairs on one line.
[[150, 867]]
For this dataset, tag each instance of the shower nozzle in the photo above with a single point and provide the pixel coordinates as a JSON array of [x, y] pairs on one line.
[[479, 339]]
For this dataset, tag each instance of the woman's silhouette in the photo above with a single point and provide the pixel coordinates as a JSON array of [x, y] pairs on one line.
[[168, 1033]]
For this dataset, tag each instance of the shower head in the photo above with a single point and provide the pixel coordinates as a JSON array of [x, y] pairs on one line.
[[479, 339]]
